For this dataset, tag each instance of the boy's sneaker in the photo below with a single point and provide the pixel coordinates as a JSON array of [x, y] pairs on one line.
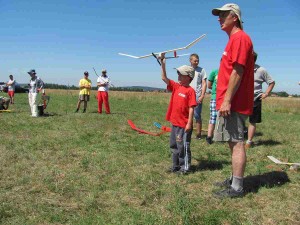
[[84, 111], [225, 183], [173, 170], [229, 193], [183, 172], [76, 111], [209, 140]]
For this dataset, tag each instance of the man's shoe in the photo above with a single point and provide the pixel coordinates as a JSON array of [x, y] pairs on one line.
[[198, 136], [76, 111], [229, 193], [84, 111], [225, 183], [209, 140]]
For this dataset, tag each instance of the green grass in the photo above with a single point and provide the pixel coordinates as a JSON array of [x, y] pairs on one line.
[[88, 168]]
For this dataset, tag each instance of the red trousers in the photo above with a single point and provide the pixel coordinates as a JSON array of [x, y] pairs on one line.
[[103, 97]]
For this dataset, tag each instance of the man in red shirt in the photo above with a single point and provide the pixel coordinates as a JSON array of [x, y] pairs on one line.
[[180, 113], [234, 95]]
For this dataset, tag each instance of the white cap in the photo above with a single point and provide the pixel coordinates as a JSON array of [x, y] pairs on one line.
[[186, 71], [229, 7]]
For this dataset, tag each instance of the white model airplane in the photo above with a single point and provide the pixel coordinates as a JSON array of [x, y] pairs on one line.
[[172, 50], [277, 161]]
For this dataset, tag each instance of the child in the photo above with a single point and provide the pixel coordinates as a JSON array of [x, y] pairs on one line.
[[199, 85], [180, 114]]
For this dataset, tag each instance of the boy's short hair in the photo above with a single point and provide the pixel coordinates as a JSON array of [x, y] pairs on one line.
[[186, 71], [194, 55], [255, 56]]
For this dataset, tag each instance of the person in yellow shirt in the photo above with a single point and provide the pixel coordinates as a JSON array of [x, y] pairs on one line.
[[85, 86]]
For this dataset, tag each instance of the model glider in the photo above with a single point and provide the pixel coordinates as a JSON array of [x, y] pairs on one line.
[[167, 51], [132, 125], [5, 110], [277, 161]]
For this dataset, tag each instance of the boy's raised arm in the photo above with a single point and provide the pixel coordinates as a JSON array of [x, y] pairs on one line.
[[163, 69]]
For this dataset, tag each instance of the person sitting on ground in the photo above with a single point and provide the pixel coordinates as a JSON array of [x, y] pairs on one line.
[[261, 76], [180, 114], [4, 103]]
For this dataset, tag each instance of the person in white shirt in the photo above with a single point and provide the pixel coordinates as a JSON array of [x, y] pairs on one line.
[[103, 86], [35, 86], [199, 85], [11, 88]]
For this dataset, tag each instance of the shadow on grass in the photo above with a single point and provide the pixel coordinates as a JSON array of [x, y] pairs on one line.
[[269, 142], [268, 180], [208, 165]]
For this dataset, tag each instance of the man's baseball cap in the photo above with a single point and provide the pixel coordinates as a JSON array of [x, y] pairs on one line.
[[86, 73], [31, 72], [229, 7], [186, 71], [103, 71]]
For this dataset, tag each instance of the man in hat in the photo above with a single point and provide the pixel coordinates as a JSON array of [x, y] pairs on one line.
[[234, 95], [103, 86], [35, 86], [85, 85]]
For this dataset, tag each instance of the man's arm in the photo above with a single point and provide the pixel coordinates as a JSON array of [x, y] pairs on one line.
[[233, 85], [189, 124], [163, 69], [268, 91], [209, 84], [203, 91]]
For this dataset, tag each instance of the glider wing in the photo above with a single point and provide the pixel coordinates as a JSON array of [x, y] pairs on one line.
[[277, 161], [171, 50]]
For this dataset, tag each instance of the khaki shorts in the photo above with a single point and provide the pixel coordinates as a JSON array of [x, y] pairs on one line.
[[231, 128], [84, 98]]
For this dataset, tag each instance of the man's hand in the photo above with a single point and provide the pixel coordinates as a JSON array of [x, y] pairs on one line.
[[225, 109], [264, 95], [200, 99]]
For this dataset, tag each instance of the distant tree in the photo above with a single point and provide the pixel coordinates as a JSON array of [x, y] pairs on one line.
[[282, 94]]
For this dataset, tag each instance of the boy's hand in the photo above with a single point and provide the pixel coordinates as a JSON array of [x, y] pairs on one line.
[[188, 127], [162, 58]]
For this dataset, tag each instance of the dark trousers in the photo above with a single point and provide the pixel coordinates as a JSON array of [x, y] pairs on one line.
[[180, 148]]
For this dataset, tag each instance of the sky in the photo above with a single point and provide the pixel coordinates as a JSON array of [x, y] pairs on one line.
[[61, 39]]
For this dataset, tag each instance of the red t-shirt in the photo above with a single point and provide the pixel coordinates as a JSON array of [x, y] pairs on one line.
[[181, 100], [239, 50]]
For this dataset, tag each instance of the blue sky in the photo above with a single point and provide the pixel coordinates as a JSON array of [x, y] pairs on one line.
[[62, 39]]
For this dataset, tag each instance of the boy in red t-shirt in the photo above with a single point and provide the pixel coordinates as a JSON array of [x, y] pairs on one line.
[[180, 114]]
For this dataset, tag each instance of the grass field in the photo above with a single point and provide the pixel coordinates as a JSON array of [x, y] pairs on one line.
[[75, 168]]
